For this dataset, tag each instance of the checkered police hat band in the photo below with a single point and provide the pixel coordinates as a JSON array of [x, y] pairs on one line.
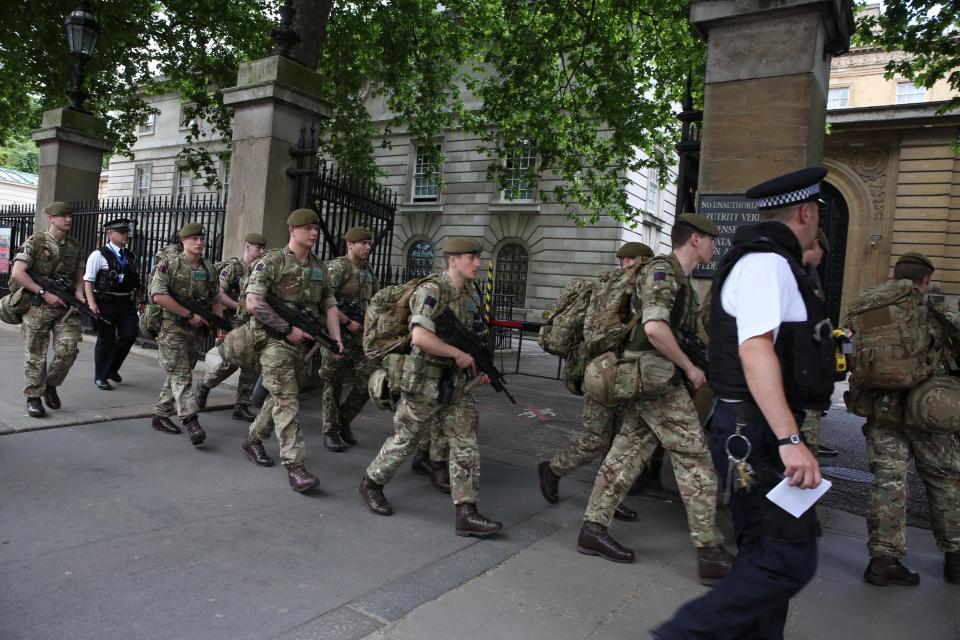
[[791, 197]]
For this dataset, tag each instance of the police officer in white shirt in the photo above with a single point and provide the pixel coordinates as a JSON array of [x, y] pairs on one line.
[[771, 358], [111, 283]]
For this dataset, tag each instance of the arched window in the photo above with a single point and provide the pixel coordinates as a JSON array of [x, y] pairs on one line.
[[419, 259], [510, 279]]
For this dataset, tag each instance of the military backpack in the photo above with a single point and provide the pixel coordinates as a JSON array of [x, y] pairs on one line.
[[563, 332], [892, 338], [386, 325], [608, 319], [152, 316]]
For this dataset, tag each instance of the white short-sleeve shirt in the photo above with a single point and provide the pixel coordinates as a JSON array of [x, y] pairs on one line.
[[762, 293], [96, 262]]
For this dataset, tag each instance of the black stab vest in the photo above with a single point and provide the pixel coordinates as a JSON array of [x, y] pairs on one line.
[[805, 349], [107, 281]]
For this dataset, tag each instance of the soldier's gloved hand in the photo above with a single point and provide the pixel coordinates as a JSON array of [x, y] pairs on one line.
[[52, 300], [465, 361], [696, 376]]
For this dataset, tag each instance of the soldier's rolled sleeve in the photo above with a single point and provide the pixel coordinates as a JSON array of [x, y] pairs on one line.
[[26, 255], [658, 294], [260, 278], [227, 277], [160, 282], [423, 306], [327, 299]]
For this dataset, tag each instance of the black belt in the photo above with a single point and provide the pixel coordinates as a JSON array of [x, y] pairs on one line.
[[748, 409]]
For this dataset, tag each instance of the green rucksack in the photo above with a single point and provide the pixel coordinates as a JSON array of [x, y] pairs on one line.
[[152, 316], [563, 331], [609, 320], [386, 325]]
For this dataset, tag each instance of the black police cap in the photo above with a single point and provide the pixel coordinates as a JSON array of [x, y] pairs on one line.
[[791, 188]]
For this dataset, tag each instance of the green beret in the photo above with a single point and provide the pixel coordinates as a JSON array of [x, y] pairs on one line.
[[302, 217], [455, 246], [58, 209], [822, 239], [917, 258], [255, 238], [191, 229], [635, 250], [700, 223], [358, 234]]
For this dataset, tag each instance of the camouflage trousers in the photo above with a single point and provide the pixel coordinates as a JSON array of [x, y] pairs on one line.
[[283, 367], [38, 324], [937, 456], [245, 382], [353, 365], [179, 351], [672, 421], [459, 422], [811, 430], [433, 443], [600, 423]]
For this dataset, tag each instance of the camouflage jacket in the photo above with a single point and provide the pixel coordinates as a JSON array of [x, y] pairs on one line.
[[175, 276], [351, 283], [47, 256], [664, 293], [280, 273], [431, 298], [234, 275]]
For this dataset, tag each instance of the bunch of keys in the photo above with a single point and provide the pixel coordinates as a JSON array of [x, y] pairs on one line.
[[740, 473]]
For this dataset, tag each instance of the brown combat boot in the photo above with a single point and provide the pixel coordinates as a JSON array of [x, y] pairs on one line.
[[333, 442], [51, 397], [951, 567], [346, 434], [254, 450], [469, 522], [884, 571], [713, 564], [595, 541], [300, 479], [625, 513], [440, 475], [35, 408], [549, 483], [202, 392], [372, 495], [165, 424], [242, 412], [421, 463], [197, 434]]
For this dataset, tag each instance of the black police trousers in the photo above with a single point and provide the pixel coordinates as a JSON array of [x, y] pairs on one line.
[[777, 553], [113, 343]]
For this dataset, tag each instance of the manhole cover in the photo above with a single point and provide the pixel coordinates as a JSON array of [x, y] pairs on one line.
[[843, 473]]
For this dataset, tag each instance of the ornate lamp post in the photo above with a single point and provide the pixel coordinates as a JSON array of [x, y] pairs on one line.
[[284, 37], [688, 151], [82, 33]]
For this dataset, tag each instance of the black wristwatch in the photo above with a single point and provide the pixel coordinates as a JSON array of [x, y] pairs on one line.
[[40, 292], [791, 439]]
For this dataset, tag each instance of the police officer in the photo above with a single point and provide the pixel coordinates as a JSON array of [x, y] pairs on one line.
[[112, 284], [353, 284], [295, 275], [181, 276], [599, 421], [50, 253], [234, 275], [432, 359], [771, 357], [668, 306]]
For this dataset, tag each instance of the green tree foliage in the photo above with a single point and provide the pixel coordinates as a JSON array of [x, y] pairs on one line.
[[929, 32], [592, 83], [20, 153]]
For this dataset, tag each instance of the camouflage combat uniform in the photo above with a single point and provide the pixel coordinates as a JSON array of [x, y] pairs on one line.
[[664, 294], [418, 409], [233, 280], [891, 444], [350, 285], [280, 273], [46, 256], [179, 342]]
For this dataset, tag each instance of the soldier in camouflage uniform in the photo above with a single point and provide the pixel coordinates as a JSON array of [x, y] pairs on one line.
[[50, 253], [600, 422], [353, 284], [891, 445], [431, 360], [295, 276], [183, 276], [233, 280], [669, 306]]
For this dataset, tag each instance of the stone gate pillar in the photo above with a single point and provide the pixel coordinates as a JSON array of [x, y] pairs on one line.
[[71, 146], [274, 98]]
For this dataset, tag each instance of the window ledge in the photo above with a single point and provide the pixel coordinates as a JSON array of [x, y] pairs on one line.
[[514, 207], [420, 207]]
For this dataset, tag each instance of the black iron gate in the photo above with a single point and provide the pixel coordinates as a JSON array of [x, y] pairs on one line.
[[834, 219]]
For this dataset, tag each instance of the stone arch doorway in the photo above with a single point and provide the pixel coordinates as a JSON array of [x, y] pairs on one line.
[[419, 261], [834, 220], [510, 280]]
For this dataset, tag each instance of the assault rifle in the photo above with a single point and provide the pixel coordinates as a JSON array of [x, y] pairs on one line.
[[200, 307], [696, 350], [305, 319], [470, 343], [64, 291], [353, 310]]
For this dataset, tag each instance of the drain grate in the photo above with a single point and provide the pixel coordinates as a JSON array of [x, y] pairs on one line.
[[845, 473]]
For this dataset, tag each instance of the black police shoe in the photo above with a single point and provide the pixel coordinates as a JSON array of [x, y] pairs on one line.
[[115, 377], [103, 385]]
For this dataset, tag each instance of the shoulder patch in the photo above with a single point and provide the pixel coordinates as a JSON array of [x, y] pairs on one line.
[[659, 276], [259, 266], [225, 273], [430, 301], [162, 268]]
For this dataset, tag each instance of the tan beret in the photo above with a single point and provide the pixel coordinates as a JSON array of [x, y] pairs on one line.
[[457, 246], [255, 238], [917, 258], [302, 217], [58, 209], [191, 229], [822, 239], [358, 234], [700, 223], [635, 250]]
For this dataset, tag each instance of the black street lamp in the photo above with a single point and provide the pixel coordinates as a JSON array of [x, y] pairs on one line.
[[82, 32]]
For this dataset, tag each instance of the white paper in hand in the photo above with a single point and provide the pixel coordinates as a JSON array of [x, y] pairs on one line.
[[795, 500]]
